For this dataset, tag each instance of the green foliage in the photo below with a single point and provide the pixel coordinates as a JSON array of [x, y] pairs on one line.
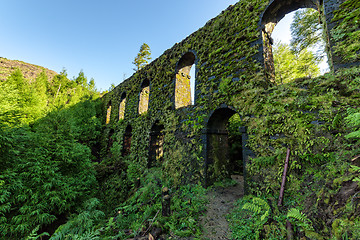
[[34, 236], [46, 169], [250, 220], [258, 206], [189, 203], [21, 101], [303, 224], [143, 57], [290, 65], [300, 217], [346, 229], [44, 178], [353, 120], [45, 162], [143, 210], [356, 169], [224, 86], [346, 32], [304, 114], [83, 225]]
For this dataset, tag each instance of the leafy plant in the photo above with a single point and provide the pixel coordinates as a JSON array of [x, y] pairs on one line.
[[299, 216], [290, 65], [258, 206], [250, 220], [356, 169], [353, 120], [46, 170], [34, 236], [82, 225]]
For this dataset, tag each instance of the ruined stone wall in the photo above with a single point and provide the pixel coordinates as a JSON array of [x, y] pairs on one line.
[[230, 73]]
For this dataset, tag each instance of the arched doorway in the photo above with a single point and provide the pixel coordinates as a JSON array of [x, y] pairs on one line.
[[127, 141], [225, 156], [276, 10], [156, 149]]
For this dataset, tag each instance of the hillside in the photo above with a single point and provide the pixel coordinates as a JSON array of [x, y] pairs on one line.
[[30, 71]]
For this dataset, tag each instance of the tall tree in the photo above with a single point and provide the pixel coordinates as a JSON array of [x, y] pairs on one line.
[[143, 57], [307, 31]]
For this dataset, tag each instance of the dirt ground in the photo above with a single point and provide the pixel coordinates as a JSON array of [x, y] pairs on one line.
[[221, 201]]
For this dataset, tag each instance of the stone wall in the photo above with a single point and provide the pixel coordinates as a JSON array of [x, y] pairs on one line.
[[228, 56]]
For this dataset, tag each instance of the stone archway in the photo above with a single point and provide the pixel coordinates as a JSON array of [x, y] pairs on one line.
[[127, 141], [144, 97], [225, 153], [275, 11], [182, 81], [156, 148]]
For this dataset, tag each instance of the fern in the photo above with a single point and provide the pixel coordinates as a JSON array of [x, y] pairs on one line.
[[296, 214], [34, 236], [78, 227], [88, 235], [302, 220], [257, 206], [353, 120], [356, 169], [252, 207]]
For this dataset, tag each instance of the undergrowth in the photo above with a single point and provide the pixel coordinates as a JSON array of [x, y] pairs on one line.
[[142, 212]]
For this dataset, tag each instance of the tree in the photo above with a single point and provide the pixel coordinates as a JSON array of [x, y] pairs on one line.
[[307, 31], [81, 79], [92, 86], [22, 101], [112, 87], [290, 65], [46, 169], [142, 57]]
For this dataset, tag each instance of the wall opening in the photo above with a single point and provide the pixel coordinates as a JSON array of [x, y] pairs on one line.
[[122, 106], [127, 141], [225, 147], [184, 81], [274, 13], [108, 113], [192, 83], [156, 149], [144, 97]]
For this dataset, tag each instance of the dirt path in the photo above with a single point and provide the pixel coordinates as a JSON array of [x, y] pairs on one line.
[[221, 201]]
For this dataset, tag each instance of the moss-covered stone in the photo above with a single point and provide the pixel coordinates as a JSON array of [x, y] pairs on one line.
[[306, 115]]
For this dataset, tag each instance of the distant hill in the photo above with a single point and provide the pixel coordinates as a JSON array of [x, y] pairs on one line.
[[30, 71]]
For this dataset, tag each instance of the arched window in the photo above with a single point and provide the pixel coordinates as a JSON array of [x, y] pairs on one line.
[[108, 112], [184, 83], [156, 150], [144, 97], [276, 11], [127, 141], [122, 106]]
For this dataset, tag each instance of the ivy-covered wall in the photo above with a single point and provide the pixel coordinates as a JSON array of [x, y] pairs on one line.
[[230, 75]]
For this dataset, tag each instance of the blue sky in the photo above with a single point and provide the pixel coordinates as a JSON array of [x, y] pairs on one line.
[[101, 38]]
